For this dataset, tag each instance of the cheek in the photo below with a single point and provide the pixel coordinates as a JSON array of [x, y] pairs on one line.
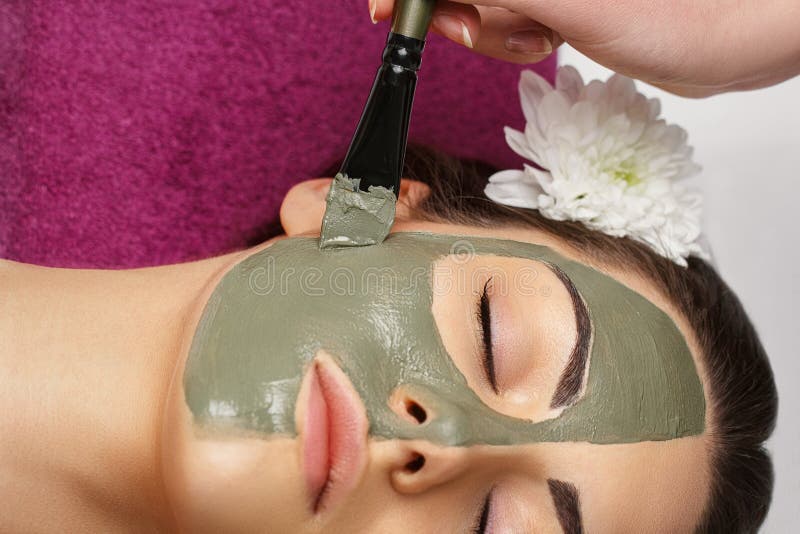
[[227, 483]]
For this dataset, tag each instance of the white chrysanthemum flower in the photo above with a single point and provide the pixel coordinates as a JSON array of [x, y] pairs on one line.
[[606, 160]]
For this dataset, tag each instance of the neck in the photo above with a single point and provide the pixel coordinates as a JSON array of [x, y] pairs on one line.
[[86, 358]]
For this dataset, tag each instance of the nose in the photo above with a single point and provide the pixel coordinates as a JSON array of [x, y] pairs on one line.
[[429, 415], [417, 465]]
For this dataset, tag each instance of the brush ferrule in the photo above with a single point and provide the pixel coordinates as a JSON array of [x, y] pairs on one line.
[[412, 18]]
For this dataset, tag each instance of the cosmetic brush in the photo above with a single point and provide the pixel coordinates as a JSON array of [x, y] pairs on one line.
[[378, 147], [361, 202]]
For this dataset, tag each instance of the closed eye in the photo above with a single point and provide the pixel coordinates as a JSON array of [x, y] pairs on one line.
[[484, 314], [481, 525]]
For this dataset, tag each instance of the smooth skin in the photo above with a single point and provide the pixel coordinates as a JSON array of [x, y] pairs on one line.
[[689, 48], [96, 440]]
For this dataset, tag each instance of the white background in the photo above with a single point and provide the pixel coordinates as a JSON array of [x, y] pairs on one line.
[[749, 147]]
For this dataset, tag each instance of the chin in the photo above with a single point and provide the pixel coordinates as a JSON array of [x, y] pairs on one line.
[[228, 481]]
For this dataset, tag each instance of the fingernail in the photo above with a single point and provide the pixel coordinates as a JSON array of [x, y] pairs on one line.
[[466, 36], [454, 29], [529, 42], [372, 7]]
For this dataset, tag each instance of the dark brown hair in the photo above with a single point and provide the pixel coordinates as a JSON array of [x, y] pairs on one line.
[[742, 389]]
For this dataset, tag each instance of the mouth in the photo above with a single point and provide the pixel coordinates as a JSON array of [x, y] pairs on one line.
[[334, 436]]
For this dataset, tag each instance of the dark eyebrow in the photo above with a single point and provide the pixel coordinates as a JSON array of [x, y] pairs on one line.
[[568, 506], [569, 385]]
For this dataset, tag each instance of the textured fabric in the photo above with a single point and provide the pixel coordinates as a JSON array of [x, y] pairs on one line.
[[144, 132]]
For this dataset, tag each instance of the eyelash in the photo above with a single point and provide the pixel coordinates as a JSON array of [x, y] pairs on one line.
[[484, 316], [482, 520]]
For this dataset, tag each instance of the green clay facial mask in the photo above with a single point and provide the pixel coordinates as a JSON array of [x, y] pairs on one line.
[[355, 218], [370, 308]]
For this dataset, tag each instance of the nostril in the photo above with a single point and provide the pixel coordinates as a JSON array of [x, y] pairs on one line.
[[416, 463], [416, 411], [403, 403], [420, 465]]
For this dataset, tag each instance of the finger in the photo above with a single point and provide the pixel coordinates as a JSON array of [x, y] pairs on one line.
[[382, 9], [492, 31], [576, 18], [513, 37], [460, 23], [457, 21], [579, 20]]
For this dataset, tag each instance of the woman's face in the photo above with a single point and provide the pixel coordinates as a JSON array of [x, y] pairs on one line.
[[433, 384]]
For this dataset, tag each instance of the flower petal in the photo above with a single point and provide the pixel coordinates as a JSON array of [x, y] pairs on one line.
[[532, 88], [569, 80], [512, 188], [519, 143]]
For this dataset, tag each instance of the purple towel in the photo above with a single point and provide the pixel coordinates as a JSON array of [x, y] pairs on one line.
[[145, 132]]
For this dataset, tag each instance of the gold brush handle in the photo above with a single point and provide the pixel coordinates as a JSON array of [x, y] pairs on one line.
[[412, 18]]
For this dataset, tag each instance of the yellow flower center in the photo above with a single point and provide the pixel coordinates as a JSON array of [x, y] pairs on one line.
[[625, 171]]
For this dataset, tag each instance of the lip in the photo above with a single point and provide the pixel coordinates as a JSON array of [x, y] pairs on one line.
[[334, 436]]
